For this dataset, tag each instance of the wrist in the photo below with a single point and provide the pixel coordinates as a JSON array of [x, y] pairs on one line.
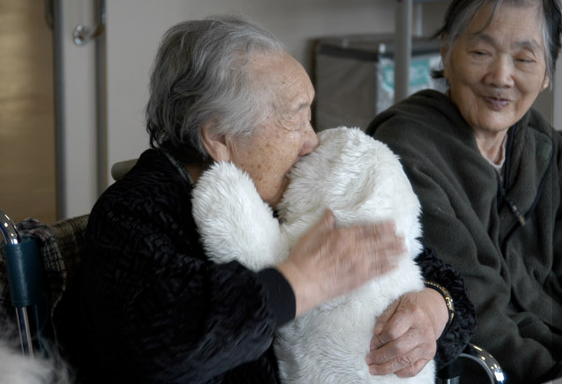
[[447, 300], [297, 282]]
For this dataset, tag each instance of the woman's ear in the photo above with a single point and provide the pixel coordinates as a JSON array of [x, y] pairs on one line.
[[443, 40], [444, 49], [545, 83], [215, 144]]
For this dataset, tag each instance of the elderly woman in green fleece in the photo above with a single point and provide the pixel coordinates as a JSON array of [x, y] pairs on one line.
[[488, 171]]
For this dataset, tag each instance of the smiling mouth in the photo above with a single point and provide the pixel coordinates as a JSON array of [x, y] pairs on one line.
[[496, 103]]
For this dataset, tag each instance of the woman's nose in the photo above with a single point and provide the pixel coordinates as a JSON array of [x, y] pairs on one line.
[[311, 141], [500, 72]]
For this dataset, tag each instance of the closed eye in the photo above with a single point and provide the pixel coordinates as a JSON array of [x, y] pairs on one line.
[[479, 53], [525, 61]]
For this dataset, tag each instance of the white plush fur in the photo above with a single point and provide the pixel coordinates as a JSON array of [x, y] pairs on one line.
[[18, 369], [360, 180], [15, 368]]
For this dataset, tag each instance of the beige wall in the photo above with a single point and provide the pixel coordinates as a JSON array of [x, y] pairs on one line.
[[77, 173], [27, 129]]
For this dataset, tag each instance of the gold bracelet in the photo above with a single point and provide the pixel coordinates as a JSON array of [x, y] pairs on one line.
[[448, 301]]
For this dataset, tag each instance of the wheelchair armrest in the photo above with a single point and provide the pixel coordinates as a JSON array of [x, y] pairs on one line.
[[453, 373], [486, 361]]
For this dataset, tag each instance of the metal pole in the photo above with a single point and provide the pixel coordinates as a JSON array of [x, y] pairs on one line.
[[101, 99], [24, 331], [58, 58], [403, 49]]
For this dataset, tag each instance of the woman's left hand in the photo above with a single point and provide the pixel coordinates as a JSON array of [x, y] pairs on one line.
[[406, 333]]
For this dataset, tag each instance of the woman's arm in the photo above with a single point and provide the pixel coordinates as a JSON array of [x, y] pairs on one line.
[[460, 330], [406, 333], [157, 310]]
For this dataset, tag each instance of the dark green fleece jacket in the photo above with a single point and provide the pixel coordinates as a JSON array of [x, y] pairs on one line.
[[504, 236]]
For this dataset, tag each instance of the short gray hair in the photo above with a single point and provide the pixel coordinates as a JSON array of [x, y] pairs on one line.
[[201, 76], [461, 12]]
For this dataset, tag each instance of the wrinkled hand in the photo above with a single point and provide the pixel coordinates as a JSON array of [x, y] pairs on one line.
[[328, 261], [405, 334]]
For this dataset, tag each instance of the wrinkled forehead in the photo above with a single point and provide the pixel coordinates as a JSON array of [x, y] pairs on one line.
[[492, 13], [484, 13], [282, 77], [528, 19]]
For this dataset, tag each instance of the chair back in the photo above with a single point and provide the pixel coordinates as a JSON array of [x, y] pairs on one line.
[[39, 262]]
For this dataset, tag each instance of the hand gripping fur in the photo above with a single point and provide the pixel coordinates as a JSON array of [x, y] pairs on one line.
[[360, 180]]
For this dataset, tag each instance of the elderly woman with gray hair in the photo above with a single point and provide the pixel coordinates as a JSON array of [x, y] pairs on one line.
[[150, 306], [487, 168]]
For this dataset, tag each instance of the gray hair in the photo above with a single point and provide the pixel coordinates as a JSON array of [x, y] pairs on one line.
[[461, 12], [201, 75]]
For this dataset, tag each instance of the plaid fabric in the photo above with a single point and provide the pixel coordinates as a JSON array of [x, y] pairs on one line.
[[60, 244]]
